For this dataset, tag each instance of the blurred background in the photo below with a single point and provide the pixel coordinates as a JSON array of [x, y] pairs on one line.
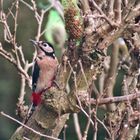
[[10, 80]]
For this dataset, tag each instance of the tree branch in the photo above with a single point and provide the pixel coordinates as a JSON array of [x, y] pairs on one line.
[[118, 99], [29, 128]]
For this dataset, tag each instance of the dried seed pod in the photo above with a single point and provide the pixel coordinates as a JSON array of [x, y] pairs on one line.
[[73, 19]]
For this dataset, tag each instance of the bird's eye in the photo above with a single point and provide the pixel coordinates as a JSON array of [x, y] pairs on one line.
[[45, 44]]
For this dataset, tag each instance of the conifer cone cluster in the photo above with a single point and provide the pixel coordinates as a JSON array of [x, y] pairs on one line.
[[73, 22]]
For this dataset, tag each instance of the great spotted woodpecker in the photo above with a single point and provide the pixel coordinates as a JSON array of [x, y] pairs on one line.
[[44, 70]]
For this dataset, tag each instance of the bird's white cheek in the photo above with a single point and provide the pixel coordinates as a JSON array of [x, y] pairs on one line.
[[48, 49]]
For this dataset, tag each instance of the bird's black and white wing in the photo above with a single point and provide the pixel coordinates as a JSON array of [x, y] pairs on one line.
[[35, 75]]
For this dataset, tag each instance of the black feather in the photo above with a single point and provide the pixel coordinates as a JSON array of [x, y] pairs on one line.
[[35, 75], [52, 54]]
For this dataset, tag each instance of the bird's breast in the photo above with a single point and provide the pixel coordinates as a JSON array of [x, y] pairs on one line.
[[48, 68]]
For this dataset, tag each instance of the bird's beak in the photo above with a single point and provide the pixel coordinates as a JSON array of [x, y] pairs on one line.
[[35, 43]]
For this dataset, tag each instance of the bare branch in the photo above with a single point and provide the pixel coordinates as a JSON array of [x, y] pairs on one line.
[[77, 126], [12, 60], [26, 4], [81, 108], [118, 11], [40, 21], [118, 99], [7, 33], [87, 129], [102, 13], [98, 120], [31, 129], [37, 16], [7, 55], [111, 9], [15, 19], [85, 6], [112, 73], [23, 84], [104, 22], [83, 73]]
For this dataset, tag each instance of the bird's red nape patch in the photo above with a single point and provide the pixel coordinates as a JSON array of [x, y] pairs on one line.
[[36, 98]]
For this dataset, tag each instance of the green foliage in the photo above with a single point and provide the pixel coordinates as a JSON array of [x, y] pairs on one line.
[[55, 29]]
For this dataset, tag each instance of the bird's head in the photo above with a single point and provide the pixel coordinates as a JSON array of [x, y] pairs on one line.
[[44, 46]]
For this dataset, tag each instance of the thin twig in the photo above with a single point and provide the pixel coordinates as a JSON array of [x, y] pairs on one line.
[[102, 13], [83, 73], [125, 2], [11, 38], [14, 38], [37, 16], [79, 102], [31, 129], [118, 11], [40, 21], [95, 123], [21, 54], [10, 9], [81, 108], [111, 9], [26, 138], [90, 89], [7, 55], [64, 132], [77, 126], [103, 126], [11, 59], [112, 73], [15, 20], [23, 84], [85, 6], [86, 130], [7, 33], [110, 100], [1, 6], [26, 4]]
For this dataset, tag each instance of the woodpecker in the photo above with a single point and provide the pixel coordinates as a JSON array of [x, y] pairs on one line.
[[43, 71]]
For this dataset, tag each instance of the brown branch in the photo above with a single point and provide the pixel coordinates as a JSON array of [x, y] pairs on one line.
[[26, 4], [15, 21], [95, 122], [77, 126], [41, 17], [104, 126], [83, 73], [85, 6], [29, 128], [125, 2], [11, 38], [7, 55], [112, 23], [134, 12], [85, 135], [34, 6], [111, 9], [47, 115], [23, 84], [111, 76], [7, 33], [118, 99], [118, 11], [11, 59]]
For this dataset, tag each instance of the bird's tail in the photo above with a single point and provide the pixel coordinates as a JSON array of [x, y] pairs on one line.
[[36, 99]]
